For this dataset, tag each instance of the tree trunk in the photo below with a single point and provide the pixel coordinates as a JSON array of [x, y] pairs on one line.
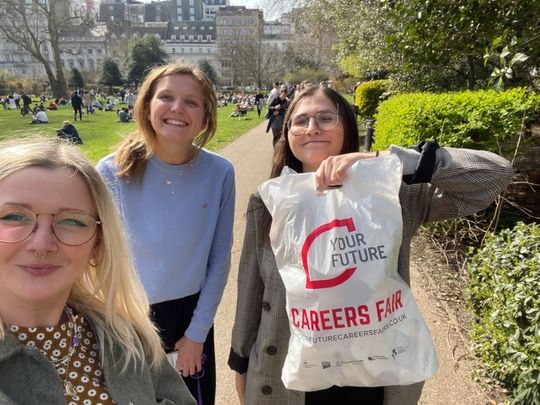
[[471, 72], [53, 82], [61, 87]]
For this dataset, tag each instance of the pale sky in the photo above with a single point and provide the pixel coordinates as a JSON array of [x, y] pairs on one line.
[[247, 3]]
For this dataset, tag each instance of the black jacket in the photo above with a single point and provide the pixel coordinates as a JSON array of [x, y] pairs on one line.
[[69, 132]]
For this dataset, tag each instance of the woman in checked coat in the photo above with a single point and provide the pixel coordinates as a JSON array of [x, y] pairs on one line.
[[320, 135]]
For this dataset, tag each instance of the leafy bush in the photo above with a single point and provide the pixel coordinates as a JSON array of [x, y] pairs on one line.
[[473, 119], [504, 296], [368, 95], [344, 84], [306, 73]]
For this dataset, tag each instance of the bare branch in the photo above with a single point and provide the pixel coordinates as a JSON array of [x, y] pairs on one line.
[[36, 28]]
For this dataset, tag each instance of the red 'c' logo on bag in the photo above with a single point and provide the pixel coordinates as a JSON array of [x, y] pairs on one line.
[[329, 282]]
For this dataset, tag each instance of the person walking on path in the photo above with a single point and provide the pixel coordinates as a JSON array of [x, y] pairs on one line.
[[439, 183], [177, 201], [276, 111], [258, 101], [273, 93]]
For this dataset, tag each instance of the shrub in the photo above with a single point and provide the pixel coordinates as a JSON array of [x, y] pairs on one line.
[[344, 84], [473, 119], [504, 296], [367, 97]]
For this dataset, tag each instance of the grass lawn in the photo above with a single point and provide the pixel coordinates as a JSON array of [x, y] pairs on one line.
[[101, 131]]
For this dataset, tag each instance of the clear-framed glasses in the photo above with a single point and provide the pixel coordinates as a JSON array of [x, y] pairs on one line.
[[326, 121], [70, 227]]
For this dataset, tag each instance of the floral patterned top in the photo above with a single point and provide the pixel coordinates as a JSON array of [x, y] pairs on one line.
[[72, 348]]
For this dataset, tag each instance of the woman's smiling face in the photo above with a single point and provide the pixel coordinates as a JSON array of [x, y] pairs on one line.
[[40, 269], [315, 145], [176, 111]]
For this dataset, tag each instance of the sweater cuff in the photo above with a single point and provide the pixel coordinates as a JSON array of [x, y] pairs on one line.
[[196, 333], [237, 363]]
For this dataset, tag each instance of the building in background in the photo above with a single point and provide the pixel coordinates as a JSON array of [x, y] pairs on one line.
[[186, 10], [120, 33], [192, 42], [190, 31], [158, 11], [237, 28], [83, 48], [110, 11], [210, 8], [278, 34]]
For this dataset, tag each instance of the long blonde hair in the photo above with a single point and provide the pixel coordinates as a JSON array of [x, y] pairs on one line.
[[133, 153], [110, 294]]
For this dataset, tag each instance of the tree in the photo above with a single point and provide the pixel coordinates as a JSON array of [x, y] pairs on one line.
[[257, 61], [452, 37], [35, 26], [75, 79], [208, 70], [430, 44], [229, 49], [3, 83], [358, 32], [145, 53], [110, 74], [305, 73]]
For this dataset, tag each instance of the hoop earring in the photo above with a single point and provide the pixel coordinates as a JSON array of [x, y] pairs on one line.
[[94, 264]]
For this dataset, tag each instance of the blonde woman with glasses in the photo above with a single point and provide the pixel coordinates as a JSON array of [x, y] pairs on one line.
[[74, 324]]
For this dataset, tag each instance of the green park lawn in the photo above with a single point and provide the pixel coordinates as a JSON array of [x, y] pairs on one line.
[[101, 131]]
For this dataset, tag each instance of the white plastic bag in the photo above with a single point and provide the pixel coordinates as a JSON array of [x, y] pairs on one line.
[[353, 320]]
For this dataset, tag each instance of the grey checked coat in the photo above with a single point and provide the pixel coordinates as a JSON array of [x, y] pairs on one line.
[[463, 182]]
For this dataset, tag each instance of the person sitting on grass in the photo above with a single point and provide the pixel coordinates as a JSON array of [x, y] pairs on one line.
[[39, 107], [109, 106], [98, 105], [52, 106], [239, 111], [70, 133], [40, 118], [123, 115]]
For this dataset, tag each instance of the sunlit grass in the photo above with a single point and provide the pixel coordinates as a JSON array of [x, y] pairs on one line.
[[101, 131]]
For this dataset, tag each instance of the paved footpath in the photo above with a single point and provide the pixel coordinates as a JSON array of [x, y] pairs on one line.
[[252, 156]]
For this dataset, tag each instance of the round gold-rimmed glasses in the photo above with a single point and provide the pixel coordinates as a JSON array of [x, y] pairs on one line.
[[326, 120], [70, 227]]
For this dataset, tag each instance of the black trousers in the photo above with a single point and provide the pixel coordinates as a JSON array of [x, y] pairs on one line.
[[173, 318], [79, 110], [346, 396], [276, 133]]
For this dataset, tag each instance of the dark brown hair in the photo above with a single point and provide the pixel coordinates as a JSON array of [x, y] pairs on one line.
[[283, 155]]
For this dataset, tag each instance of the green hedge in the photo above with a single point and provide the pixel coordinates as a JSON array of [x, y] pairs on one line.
[[473, 119], [367, 97], [504, 296]]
